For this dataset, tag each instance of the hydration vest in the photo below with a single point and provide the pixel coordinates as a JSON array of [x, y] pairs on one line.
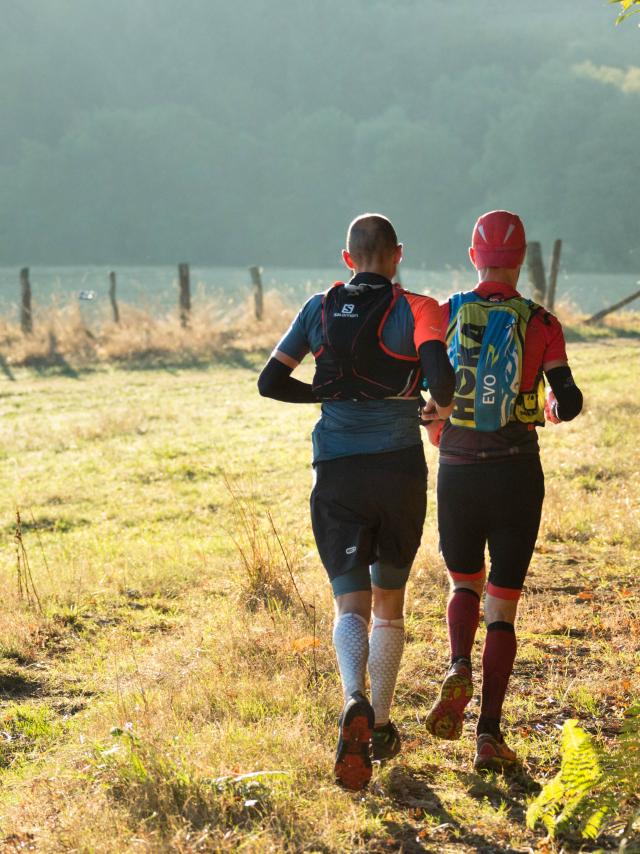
[[353, 362], [485, 340]]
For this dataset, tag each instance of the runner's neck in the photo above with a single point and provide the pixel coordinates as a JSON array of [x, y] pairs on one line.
[[489, 286], [373, 279]]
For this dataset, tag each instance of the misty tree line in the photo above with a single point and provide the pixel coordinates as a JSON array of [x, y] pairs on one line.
[[154, 131]]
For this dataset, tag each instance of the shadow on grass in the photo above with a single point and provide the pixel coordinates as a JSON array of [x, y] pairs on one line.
[[51, 363], [598, 334], [5, 367], [46, 366], [409, 789], [54, 364], [16, 686], [497, 790], [59, 524], [172, 362]]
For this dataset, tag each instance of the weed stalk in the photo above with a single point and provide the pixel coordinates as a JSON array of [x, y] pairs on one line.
[[27, 591]]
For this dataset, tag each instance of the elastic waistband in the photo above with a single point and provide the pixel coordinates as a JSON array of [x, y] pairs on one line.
[[409, 459], [452, 461]]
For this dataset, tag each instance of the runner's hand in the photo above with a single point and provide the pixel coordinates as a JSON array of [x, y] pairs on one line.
[[429, 411], [551, 408], [432, 410]]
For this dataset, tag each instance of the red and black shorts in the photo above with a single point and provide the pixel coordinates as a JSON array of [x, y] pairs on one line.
[[494, 504], [368, 512]]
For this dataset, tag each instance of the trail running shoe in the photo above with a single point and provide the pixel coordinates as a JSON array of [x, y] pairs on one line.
[[446, 717], [386, 742], [353, 756], [493, 754]]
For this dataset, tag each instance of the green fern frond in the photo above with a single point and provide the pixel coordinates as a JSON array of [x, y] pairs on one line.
[[572, 800], [591, 786]]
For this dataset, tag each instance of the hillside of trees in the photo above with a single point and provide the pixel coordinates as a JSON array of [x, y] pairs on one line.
[[151, 131]]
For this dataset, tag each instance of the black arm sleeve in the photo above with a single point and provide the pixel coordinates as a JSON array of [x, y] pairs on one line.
[[437, 370], [567, 393], [276, 382]]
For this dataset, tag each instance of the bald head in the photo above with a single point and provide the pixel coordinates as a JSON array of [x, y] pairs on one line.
[[372, 242]]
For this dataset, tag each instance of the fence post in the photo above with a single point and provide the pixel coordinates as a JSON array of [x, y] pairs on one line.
[[185, 294], [553, 274], [597, 317], [256, 279], [535, 268], [112, 297], [26, 317]]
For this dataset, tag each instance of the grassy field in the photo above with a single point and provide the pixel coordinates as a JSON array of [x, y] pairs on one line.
[[165, 625]]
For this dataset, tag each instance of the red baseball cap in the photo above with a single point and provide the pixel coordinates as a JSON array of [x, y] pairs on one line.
[[499, 240]]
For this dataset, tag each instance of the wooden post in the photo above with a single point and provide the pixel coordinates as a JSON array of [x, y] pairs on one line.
[[597, 317], [112, 297], [553, 274], [26, 317], [535, 269], [256, 279], [185, 294]]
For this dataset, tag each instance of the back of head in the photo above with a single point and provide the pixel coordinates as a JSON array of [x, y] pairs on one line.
[[498, 241], [371, 240]]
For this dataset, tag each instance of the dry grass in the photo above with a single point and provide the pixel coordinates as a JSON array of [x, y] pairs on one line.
[[62, 339]]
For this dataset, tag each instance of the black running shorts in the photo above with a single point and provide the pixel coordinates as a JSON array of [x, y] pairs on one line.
[[491, 504], [368, 511]]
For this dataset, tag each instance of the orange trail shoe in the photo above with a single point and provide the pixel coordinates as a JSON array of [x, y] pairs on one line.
[[446, 717], [353, 757], [492, 754]]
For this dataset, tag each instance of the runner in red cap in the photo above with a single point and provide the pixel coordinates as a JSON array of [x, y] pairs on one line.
[[490, 481], [498, 240]]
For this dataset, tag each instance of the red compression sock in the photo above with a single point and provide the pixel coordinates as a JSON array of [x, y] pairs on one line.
[[498, 656], [463, 615]]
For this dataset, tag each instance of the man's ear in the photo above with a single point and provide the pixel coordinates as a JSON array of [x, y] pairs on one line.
[[399, 253], [348, 260]]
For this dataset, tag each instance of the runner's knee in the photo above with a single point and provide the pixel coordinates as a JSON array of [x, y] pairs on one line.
[[358, 603], [468, 580], [388, 604], [498, 609]]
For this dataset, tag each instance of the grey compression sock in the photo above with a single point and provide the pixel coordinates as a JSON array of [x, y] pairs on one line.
[[351, 643], [385, 653]]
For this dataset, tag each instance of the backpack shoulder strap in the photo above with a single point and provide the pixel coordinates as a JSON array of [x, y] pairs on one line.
[[456, 301], [332, 291]]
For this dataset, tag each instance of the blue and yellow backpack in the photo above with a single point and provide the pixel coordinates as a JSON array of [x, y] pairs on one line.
[[485, 340]]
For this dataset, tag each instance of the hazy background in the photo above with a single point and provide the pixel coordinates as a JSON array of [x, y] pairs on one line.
[[146, 132]]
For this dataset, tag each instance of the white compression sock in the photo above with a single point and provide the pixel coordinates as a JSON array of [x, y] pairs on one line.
[[351, 643], [385, 652]]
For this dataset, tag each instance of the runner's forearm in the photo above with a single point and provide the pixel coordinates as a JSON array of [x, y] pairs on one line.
[[568, 395], [437, 370], [276, 382]]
